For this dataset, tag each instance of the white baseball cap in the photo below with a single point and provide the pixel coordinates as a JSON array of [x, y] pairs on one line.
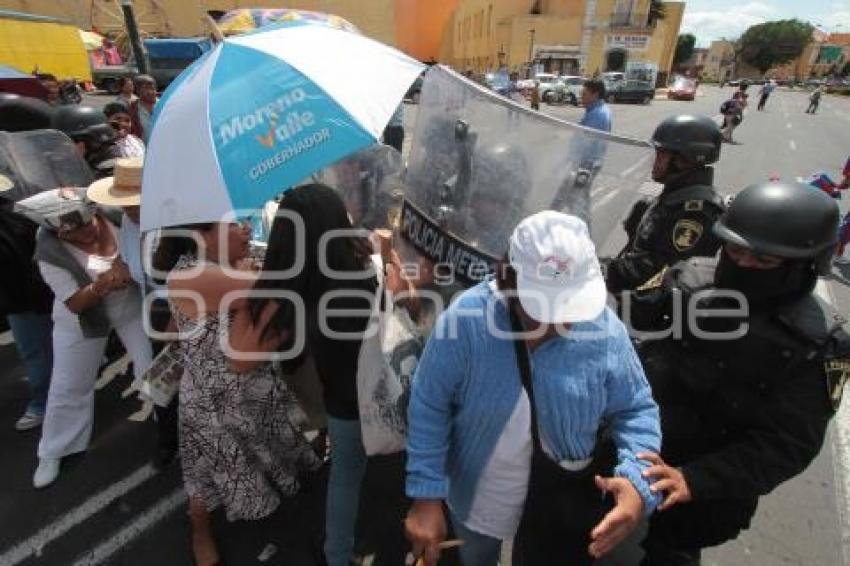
[[558, 276]]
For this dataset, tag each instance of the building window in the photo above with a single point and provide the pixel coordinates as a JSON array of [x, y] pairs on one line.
[[489, 19]]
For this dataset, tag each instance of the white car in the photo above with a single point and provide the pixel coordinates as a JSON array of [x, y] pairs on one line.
[[548, 83], [573, 85]]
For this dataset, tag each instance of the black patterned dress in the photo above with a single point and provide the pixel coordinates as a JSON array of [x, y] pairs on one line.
[[241, 441]]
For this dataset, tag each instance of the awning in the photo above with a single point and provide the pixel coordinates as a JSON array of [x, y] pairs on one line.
[[557, 51]]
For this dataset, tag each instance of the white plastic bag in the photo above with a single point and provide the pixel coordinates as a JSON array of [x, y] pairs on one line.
[[385, 367]]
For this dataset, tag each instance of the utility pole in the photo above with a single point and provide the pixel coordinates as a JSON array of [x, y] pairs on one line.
[[531, 51], [135, 41]]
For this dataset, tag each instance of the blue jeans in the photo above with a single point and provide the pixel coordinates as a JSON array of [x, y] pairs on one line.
[[477, 549], [348, 466], [33, 339]]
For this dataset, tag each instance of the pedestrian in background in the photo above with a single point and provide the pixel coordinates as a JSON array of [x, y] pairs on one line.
[[814, 100], [766, 90], [507, 409], [126, 91], [733, 114], [535, 95], [118, 114], [141, 110]]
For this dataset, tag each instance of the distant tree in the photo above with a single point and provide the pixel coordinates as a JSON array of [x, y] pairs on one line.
[[773, 43], [684, 48], [657, 11]]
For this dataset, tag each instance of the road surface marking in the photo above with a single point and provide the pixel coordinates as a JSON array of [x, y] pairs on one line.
[[636, 166], [606, 198], [104, 551], [793, 145], [34, 545], [840, 447], [6, 338]]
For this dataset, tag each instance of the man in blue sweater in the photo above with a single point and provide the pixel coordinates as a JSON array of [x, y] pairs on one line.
[[528, 407]]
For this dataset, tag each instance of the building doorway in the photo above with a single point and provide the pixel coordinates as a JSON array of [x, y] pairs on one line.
[[615, 60]]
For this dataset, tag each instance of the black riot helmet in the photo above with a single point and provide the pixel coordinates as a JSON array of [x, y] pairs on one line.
[[22, 113], [783, 219], [697, 138], [83, 124]]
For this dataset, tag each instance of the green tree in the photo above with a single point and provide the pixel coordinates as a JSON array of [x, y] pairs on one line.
[[773, 43], [657, 11], [684, 48]]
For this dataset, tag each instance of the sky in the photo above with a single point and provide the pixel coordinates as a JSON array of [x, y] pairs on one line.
[[716, 19]]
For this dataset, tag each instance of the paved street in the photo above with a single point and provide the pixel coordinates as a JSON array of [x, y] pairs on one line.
[[109, 507]]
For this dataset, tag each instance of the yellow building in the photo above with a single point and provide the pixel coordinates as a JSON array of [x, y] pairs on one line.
[[720, 62], [414, 26], [562, 36]]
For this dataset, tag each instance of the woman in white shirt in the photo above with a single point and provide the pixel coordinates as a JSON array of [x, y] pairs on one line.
[[77, 253]]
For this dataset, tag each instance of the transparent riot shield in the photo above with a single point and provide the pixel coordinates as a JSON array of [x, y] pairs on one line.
[[369, 182], [40, 160], [479, 164]]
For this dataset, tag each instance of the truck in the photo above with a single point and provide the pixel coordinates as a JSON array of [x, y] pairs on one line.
[[32, 43], [167, 58]]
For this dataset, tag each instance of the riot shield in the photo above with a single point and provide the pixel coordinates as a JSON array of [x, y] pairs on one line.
[[369, 182], [39, 160], [479, 164]]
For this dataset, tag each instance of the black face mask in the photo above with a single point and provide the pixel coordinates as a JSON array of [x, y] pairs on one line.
[[764, 287]]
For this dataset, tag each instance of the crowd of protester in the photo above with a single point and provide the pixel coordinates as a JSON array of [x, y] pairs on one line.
[[550, 440]]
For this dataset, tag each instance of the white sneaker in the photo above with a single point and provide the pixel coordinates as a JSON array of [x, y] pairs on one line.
[[29, 421], [46, 473]]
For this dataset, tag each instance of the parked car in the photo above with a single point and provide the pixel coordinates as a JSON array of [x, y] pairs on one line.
[[629, 91], [414, 91], [573, 85], [682, 88], [734, 82], [614, 76], [548, 83]]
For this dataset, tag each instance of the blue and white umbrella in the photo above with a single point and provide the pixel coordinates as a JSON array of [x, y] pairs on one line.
[[263, 111]]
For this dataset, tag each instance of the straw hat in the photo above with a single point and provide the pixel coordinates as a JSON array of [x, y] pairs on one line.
[[124, 188]]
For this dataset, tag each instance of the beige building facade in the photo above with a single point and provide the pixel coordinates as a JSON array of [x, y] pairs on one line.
[[185, 18], [562, 36]]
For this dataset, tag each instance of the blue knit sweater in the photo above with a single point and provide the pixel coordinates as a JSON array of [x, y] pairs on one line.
[[467, 385]]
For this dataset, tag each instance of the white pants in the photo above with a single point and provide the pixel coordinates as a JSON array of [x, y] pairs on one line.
[[70, 402]]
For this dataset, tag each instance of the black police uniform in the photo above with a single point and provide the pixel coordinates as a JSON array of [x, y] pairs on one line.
[[739, 417], [673, 227]]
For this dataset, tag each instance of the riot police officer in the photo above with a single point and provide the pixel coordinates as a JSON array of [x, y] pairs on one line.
[[23, 113], [95, 138], [677, 224], [745, 398]]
